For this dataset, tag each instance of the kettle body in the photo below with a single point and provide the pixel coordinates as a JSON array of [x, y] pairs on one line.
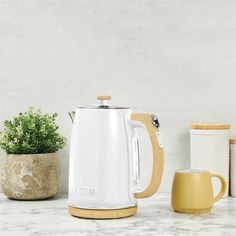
[[100, 161], [104, 161]]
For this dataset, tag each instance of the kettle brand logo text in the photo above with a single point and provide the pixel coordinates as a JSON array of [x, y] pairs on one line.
[[86, 191]]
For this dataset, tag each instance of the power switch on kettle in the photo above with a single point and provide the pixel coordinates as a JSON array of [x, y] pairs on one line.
[[155, 121]]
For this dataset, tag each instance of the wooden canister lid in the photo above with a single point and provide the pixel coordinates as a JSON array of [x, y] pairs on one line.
[[210, 126], [232, 141]]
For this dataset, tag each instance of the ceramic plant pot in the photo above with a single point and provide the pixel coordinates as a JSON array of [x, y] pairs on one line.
[[31, 176]]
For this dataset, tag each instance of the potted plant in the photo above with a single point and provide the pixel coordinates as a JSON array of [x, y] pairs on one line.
[[32, 167]]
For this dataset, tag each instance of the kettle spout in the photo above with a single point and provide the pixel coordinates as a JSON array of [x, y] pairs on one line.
[[72, 116]]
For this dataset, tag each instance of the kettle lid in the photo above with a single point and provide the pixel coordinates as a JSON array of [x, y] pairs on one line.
[[104, 104]]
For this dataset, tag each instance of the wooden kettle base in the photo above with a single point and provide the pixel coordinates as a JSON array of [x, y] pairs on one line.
[[102, 214]]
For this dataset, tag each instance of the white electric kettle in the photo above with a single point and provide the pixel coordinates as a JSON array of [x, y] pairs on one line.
[[104, 161]]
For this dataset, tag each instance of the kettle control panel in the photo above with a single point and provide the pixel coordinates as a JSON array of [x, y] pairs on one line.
[[156, 123], [159, 139]]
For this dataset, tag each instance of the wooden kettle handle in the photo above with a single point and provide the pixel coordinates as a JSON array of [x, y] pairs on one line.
[[158, 154]]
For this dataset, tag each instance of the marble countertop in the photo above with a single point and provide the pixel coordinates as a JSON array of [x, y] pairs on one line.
[[154, 217]]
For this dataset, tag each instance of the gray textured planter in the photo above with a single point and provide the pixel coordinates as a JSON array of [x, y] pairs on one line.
[[31, 176]]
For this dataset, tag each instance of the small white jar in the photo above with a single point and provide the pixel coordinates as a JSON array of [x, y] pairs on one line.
[[233, 167], [209, 148]]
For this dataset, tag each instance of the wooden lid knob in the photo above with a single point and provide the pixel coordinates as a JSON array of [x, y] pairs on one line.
[[104, 98]]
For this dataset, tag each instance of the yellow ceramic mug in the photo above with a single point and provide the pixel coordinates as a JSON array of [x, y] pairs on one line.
[[192, 191]]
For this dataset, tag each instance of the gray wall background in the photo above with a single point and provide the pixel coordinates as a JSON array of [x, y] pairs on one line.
[[175, 58]]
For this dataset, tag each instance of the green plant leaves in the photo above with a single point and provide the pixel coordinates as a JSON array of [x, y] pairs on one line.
[[30, 133]]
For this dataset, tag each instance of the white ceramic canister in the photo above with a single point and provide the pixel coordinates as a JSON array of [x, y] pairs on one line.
[[233, 167], [209, 147]]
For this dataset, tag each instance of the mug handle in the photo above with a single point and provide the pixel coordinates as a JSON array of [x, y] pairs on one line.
[[151, 123], [223, 187]]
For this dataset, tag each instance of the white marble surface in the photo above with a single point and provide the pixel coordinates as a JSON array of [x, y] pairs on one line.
[[155, 217]]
